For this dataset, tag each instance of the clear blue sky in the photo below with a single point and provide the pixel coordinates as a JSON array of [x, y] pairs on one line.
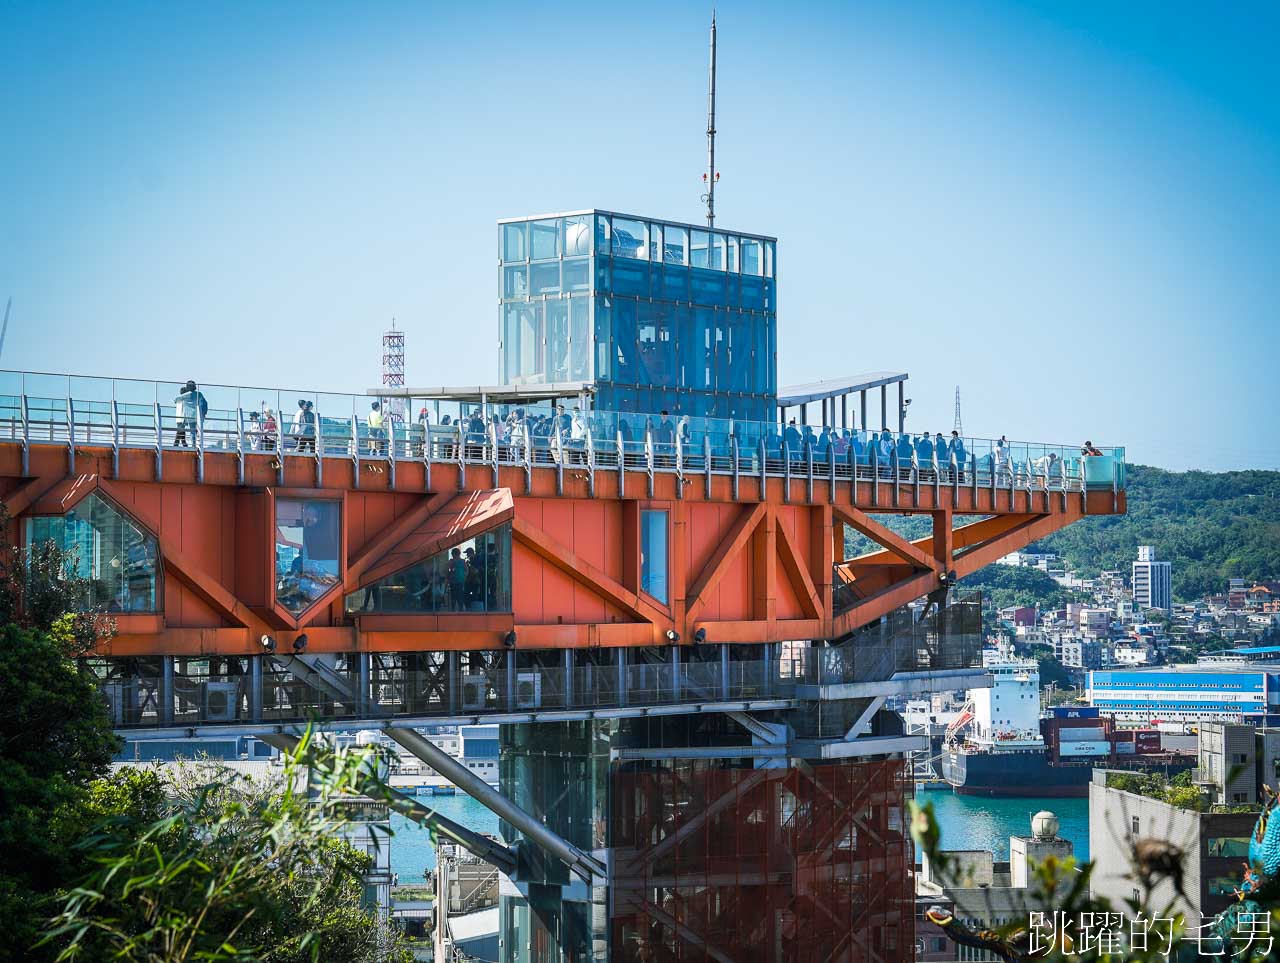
[[1072, 210]]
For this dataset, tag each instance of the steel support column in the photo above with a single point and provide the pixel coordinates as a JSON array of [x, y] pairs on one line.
[[583, 864]]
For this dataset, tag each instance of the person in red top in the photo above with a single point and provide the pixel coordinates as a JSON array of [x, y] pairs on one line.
[[270, 430], [1088, 451]]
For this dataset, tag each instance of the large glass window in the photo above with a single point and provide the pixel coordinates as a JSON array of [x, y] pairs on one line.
[[577, 274], [115, 556], [514, 243], [577, 236], [515, 282], [653, 554], [308, 550], [700, 249], [1235, 847], [545, 278], [472, 576], [676, 242], [752, 260], [579, 339], [630, 238], [544, 239]]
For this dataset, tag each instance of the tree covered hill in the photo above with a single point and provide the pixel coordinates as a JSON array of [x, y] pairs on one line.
[[1211, 526]]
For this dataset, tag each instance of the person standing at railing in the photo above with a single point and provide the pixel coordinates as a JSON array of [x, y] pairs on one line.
[[253, 431], [957, 449], [304, 426], [1088, 451], [190, 408], [1000, 462], [375, 420], [791, 440], [924, 452], [270, 430], [905, 451]]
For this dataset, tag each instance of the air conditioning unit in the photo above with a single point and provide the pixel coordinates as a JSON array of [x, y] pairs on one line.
[[388, 694], [219, 701], [474, 688], [529, 690], [122, 701]]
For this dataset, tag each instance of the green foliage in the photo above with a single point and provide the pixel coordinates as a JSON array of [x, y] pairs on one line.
[[55, 738], [1003, 586], [1178, 791], [40, 590], [223, 869], [1212, 527]]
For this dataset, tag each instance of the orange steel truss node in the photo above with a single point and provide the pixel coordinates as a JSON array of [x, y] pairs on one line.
[[811, 863], [751, 559]]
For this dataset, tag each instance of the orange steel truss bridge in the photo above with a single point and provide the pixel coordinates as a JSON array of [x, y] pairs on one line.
[[263, 573]]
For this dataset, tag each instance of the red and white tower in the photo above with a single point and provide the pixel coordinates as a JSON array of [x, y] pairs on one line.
[[393, 369]]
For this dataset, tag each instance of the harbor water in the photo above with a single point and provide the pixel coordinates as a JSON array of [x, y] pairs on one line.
[[966, 822]]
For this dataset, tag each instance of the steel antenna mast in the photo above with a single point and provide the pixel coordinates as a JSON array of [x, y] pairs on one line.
[[958, 426], [710, 177], [4, 330]]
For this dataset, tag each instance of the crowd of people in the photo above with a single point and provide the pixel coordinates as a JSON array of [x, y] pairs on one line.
[[466, 578], [559, 434]]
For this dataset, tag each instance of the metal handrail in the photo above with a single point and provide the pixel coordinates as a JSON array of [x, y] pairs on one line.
[[118, 425]]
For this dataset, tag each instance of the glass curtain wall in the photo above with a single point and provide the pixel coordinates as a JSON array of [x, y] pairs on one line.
[[660, 316], [546, 306], [116, 557], [472, 576], [685, 320]]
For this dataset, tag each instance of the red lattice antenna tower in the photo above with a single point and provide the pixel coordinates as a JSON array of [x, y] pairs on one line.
[[393, 367], [959, 426]]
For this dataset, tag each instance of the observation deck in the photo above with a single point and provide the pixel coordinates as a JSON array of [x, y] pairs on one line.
[[629, 541]]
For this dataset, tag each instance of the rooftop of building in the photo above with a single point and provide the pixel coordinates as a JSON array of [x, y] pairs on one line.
[[586, 212]]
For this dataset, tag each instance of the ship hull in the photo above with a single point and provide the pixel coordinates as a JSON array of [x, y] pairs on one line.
[[1030, 774]]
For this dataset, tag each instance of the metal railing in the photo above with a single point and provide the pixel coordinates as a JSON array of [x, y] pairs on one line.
[[160, 691], [70, 410]]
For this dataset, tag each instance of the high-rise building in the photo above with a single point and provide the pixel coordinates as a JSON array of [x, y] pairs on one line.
[[1152, 580]]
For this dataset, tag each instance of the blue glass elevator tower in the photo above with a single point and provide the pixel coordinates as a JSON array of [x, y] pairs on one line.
[[656, 315]]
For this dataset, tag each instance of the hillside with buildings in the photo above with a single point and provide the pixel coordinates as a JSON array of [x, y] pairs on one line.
[[1211, 527]]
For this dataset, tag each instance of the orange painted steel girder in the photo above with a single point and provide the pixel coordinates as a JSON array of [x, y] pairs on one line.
[[756, 570]]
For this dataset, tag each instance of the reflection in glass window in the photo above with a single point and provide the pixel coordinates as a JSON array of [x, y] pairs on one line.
[[630, 238], [577, 236], [579, 339], [515, 282], [577, 274], [544, 240], [557, 320], [655, 242], [717, 251], [545, 278], [1236, 847], [733, 254], [472, 576], [653, 554], [752, 262], [514, 247], [699, 249], [115, 556], [603, 234], [675, 242], [308, 545]]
